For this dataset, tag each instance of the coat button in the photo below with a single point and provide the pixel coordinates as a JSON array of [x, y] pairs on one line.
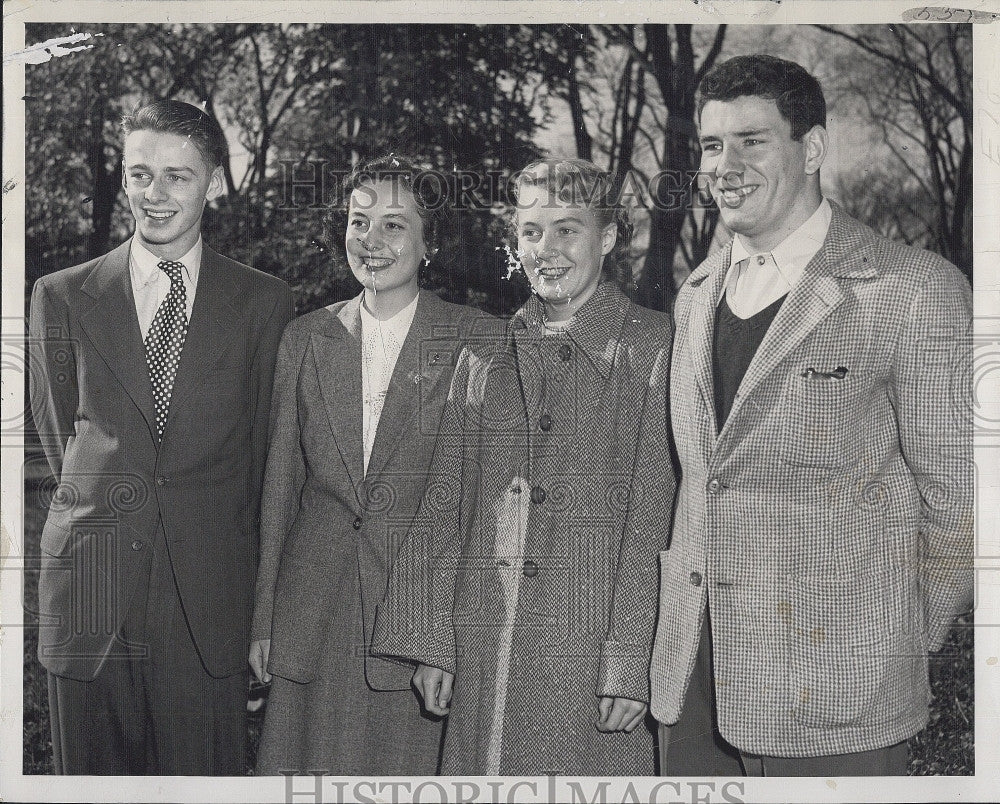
[[538, 495], [357, 523], [565, 353], [545, 422], [161, 481], [714, 485], [530, 569], [696, 579], [137, 545]]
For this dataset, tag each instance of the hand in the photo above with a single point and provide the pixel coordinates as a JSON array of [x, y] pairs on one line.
[[260, 649], [434, 686], [620, 714]]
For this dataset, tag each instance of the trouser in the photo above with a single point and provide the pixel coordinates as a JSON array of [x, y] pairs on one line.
[[154, 709], [695, 747]]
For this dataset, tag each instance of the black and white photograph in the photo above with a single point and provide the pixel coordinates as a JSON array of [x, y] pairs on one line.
[[500, 401]]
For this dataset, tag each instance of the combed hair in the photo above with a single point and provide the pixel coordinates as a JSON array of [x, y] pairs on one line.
[[798, 94], [185, 120]]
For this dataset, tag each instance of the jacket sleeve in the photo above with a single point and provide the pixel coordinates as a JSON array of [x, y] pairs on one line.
[[282, 311], [625, 654], [284, 478], [932, 392], [53, 389], [414, 620]]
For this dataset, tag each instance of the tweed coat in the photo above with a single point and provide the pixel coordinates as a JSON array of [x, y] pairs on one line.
[[829, 525], [562, 503], [329, 531], [92, 404]]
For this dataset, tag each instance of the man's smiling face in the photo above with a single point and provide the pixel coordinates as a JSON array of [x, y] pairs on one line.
[[759, 175], [167, 181]]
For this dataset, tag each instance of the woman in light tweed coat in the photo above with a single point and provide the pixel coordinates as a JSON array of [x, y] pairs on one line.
[[536, 610]]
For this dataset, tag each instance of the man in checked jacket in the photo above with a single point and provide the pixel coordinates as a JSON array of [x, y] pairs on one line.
[[820, 397]]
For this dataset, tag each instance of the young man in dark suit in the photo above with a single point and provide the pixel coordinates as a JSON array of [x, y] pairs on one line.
[[151, 387], [820, 396]]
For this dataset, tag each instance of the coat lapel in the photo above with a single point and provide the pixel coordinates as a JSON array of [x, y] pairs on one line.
[[337, 358], [706, 282], [113, 327], [421, 364], [846, 253], [215, 320]]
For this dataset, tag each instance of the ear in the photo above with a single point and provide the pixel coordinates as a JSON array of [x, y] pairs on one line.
[[124, 176], [816, 143], [216, 185], [608, 238]]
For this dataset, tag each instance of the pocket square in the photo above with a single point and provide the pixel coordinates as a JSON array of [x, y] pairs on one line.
[[837, 374]]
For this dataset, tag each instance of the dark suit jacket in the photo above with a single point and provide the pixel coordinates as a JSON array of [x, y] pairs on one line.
[[93, 407], [322, 516]]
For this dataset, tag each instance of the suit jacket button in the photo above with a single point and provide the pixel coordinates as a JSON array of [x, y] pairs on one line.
[[530, 569], [714, 485], [696, 579], [538, 495], [545, 422], [356, 523], [565, 353], [137, 545], [161, 481]]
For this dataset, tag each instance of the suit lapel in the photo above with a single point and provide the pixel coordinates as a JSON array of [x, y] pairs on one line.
[[215, 320], [421, 364], [337, 358], [707, 284], [846, 253], [113, 327]]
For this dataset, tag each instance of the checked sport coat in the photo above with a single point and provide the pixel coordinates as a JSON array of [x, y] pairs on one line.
[[829, 525]]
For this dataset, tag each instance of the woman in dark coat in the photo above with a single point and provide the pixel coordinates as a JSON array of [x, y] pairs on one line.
[[543, 584], [358, 395]]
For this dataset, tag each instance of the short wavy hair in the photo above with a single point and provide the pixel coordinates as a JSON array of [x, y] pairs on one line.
[[798, 94], [581, 181]]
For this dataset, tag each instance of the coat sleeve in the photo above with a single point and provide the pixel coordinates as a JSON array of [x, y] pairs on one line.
[[53, 389], [414, 620], [284, 478], [625, 654], [932, 390]]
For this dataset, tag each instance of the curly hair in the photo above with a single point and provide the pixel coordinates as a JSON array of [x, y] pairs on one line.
[[798, 94], [428, 188], [580, 181]]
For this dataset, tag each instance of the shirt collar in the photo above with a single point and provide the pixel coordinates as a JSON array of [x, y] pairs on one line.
[[398, 325], [144, 264], [595, 327], [793, 253]]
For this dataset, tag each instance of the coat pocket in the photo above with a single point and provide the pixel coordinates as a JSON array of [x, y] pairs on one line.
[[839, 645], [825, 419]]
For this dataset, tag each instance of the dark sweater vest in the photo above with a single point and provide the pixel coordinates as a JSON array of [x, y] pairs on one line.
[[735, 343]]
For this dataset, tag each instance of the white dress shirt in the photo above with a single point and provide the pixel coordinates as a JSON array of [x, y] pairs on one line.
[[150, 285], [381, 343], [756, 281]]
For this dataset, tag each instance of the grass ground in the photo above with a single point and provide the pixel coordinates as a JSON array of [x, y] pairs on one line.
[[945, 747]]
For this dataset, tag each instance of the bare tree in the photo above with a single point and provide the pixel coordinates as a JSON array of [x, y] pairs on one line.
[[916, 86]]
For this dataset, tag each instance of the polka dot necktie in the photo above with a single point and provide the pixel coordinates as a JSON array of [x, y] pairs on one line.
[[165, 340]]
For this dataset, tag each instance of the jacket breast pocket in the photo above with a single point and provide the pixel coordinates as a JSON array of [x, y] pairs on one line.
[[825, 418]]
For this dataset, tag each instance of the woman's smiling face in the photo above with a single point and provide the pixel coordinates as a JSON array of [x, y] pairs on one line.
[[562, 248], [385, 236]]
